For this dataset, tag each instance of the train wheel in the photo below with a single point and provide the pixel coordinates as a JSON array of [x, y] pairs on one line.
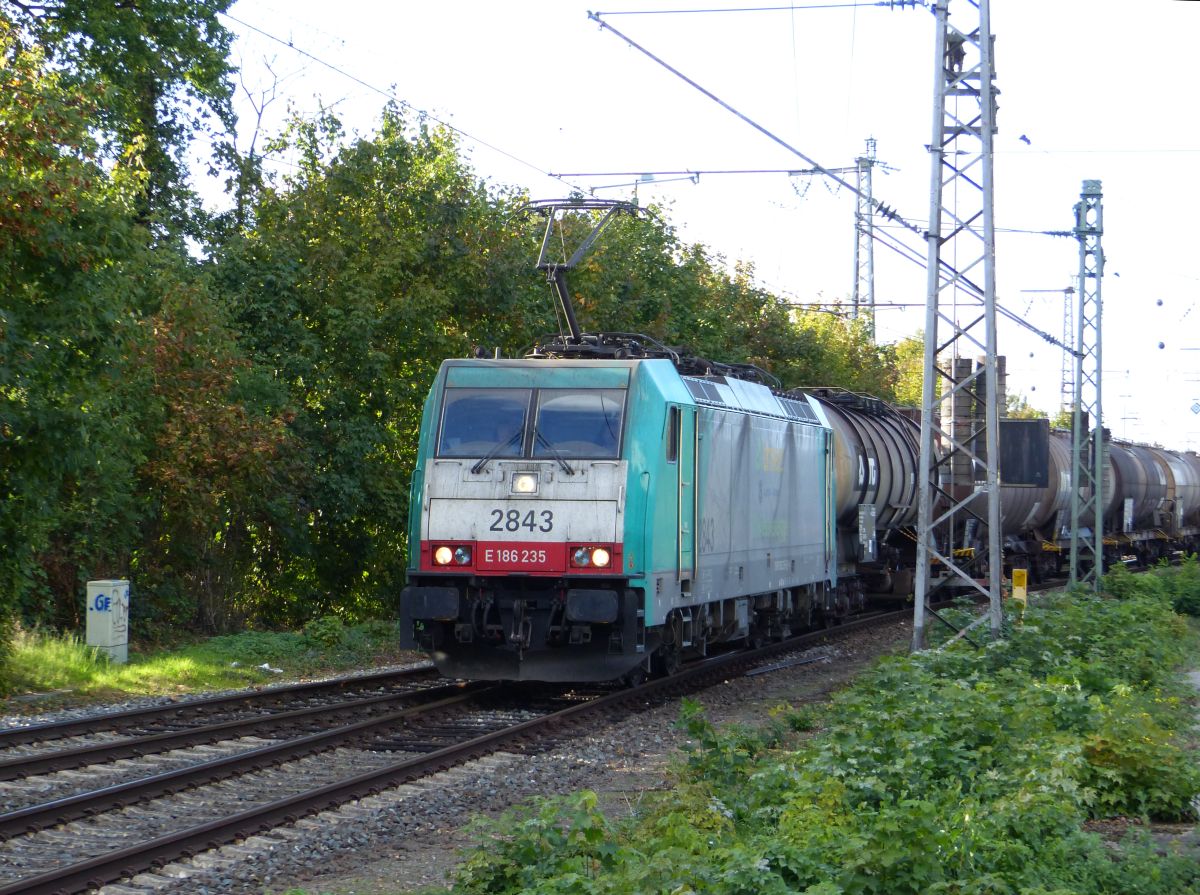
[[758, 638], [635, 677], [667, 660]]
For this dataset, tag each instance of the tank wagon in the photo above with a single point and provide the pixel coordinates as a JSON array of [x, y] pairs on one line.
[[1150, 507], [581, 519]]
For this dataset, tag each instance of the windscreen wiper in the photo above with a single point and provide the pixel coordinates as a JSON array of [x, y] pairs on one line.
[[562, 461], [492, 454]]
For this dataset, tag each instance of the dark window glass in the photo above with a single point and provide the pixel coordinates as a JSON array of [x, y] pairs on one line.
[[579, 423], [483, 422], [673, 423]]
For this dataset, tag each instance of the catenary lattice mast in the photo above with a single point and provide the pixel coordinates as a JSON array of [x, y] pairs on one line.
[[864, 245], [1088, 451], [960, 317]]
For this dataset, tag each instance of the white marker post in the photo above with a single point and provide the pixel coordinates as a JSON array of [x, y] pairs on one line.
[[108, 618]]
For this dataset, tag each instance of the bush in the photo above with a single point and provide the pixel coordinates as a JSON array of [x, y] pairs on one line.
[[954, 771], [1178, 584], [1182, 584], [326, 631], [1134, 765]]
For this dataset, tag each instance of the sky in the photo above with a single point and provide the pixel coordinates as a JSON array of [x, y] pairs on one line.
[[1089, 90]]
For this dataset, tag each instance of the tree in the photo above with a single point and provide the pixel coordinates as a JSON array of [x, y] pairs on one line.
[[66, 238], [213, 470], [909, 359], [359, 274], [133, 435], [163, 68], [1019, 408]]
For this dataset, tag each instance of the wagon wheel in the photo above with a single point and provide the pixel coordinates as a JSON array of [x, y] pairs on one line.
[[635, 677], [668, 657], [667, 660]]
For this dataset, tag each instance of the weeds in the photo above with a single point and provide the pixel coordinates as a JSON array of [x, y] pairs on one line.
[[953, 772]]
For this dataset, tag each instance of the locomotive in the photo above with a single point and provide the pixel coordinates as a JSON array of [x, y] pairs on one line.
[[607, 507], [589, 519]]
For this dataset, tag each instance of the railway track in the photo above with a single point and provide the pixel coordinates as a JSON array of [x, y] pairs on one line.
[[209, 709], [100, 835]]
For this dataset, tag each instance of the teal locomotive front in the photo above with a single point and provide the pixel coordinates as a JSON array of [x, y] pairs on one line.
[[593, 519]]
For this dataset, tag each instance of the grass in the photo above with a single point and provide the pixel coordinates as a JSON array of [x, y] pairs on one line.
[[63, 669]]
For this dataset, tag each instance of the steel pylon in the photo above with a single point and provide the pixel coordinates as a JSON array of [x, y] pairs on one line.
[[960, 456], [864, 245], [1088, 450]]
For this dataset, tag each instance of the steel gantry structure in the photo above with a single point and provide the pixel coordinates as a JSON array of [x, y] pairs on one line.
[[1066, 381], [960, 287], [960, 252], [1088, 454], [864, 244]]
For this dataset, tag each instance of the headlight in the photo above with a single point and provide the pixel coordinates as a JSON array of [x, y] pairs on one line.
[[459, 554], [525, 483], [585, 557]]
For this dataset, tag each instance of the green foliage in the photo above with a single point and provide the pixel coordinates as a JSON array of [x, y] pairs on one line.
[[1019, 408], [41, 662], [1134, 765], [350, 334], [162, 68], [212, 474], [909, 360], [1179, 583], [954, 771], [66, 251], [560, 837], [327, 631], [1064, 419]]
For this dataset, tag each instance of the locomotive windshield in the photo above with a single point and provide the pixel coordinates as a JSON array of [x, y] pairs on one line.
[[495, 423], [478, 422], [579, 423]]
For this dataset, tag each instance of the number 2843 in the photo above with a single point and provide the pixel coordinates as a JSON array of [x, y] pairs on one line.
[[515, 520]]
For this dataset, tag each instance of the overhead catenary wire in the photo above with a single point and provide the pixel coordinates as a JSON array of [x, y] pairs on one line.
[[402, 102], [880, 208], [688, 172], [959, 278], [793, 7], [889, 214]]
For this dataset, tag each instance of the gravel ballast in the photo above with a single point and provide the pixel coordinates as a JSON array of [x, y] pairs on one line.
[[411, 836]]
